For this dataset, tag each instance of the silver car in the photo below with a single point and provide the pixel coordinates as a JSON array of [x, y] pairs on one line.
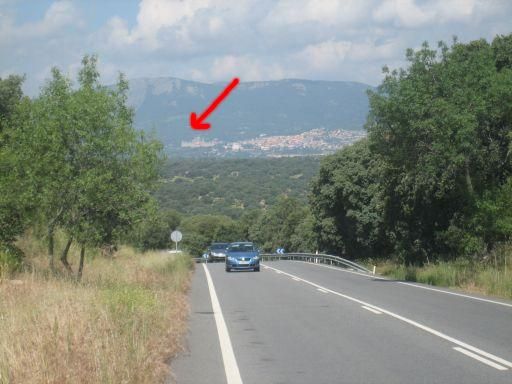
[[217, 251]]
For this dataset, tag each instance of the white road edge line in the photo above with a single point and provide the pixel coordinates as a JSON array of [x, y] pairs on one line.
[[410, 284], [371, 310], [321, 290], [454, 293], [481, 359], [408, 321], [296, 279], [228, 356]]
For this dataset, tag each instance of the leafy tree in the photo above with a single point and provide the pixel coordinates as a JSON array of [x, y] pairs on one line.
[[502, 49], [94, 171], [276, 227], [201, 230], [304, 238], [442, 127], [347, 203], [152, 230], [12, 202]]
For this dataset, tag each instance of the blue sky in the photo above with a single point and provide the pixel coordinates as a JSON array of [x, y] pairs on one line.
[[215, 40]]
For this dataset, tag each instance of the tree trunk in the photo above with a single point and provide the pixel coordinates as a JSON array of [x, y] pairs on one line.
[[64, 256], [81, 265], [51, 242], [51, 248], [469, 183]]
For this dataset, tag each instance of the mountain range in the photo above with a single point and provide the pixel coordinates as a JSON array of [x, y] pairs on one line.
[[253, 109]]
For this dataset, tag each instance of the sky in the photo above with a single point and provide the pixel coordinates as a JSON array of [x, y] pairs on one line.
[[216, 40]]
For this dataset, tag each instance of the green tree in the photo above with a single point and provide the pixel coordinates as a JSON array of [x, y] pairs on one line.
[[13, 202], [201, 230], [152, 230], [304, 238], [93, 171], [442, 127], [276, 227], [347, 202]]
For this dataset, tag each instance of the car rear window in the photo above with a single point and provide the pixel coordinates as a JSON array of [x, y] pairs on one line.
[[241, 248], [218, 246]]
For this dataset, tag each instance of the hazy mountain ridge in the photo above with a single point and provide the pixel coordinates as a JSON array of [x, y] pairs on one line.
[[253, 109]]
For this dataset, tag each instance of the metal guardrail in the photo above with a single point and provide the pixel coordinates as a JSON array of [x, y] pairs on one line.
[[307, 257], [316, 258]]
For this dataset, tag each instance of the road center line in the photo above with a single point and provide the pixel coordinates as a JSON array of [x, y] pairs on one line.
[[408, 321], [371, 310], [481, 359], [228, 356]]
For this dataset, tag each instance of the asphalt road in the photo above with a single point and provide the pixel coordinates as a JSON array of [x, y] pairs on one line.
[[296, 322]]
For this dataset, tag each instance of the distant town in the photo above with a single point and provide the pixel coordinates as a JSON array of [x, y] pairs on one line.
[[313, 142]]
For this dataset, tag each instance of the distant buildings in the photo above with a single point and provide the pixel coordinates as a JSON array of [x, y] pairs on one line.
[[319, 141]]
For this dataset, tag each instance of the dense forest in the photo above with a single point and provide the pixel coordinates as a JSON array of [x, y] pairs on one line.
[[231, 186]]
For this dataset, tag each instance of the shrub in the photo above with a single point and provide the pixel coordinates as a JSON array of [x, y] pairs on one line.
[[11, 259]]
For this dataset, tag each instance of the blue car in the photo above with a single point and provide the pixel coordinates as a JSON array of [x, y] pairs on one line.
[[242, 256]]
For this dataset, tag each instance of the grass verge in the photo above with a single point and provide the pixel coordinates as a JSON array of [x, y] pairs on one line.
[[121, 324], [489, 276]]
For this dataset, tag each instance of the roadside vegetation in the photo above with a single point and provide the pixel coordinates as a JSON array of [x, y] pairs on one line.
[[71, 160], [76, 182], [491, 275], [428, 195], [433, 181], [120, 324]]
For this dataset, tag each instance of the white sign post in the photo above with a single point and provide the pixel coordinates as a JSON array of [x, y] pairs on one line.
[[176, 236]]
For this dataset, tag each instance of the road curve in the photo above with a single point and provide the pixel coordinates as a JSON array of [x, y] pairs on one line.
[[297, 322]]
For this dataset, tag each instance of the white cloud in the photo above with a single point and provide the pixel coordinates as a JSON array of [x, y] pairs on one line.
[[414, 14], [159, 21], [214, 40], [403, 13], [248, 68], [60, 14], [331, 55], [326, 55], [323, 11]]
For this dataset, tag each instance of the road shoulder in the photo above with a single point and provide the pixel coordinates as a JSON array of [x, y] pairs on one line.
[[201, 362]]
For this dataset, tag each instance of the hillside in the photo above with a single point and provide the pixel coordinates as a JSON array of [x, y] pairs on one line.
[[230, 186], [254, 109]]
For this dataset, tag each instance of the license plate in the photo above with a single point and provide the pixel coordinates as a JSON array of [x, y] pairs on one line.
[[242, 262]]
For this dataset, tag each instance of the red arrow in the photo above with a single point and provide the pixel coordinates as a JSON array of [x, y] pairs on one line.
[[197, 122]]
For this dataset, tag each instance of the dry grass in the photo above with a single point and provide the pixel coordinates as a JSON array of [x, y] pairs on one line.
[[121, 324], [490, 276]]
